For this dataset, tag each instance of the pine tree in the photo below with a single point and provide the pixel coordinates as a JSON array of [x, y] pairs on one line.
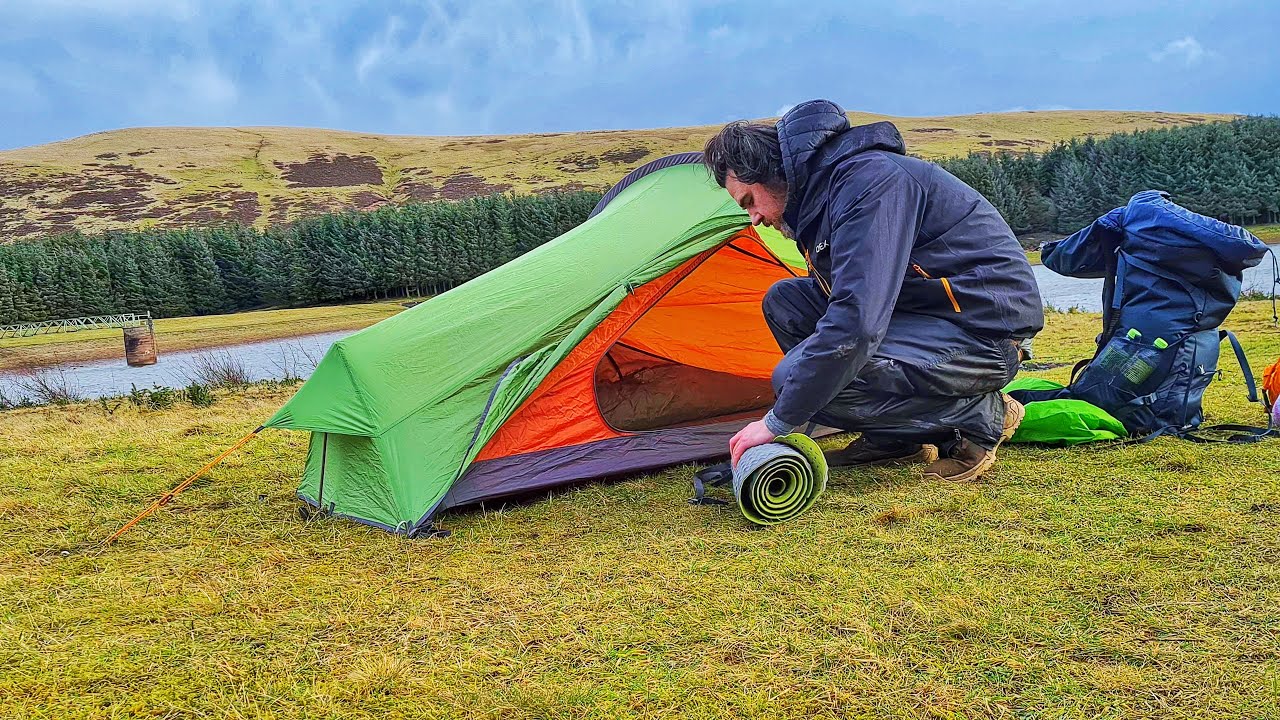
[[1008, 200], [127, 289], [231, 247], [161, 276], [1071, 197], [8, 292]]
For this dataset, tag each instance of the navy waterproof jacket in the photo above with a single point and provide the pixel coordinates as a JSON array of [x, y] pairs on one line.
[[884, 232]]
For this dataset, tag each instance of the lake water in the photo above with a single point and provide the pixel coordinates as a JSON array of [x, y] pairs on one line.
[[296, 357], [269, 359], [1064, 292]]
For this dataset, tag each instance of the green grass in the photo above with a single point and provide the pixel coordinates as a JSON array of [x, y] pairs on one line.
[[195, 333], [1096, 582], [1267, 233]]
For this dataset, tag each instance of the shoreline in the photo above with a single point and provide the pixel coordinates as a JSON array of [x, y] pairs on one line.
[[187, 334]]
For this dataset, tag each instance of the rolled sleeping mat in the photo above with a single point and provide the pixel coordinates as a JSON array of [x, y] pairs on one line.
[[774, 482]]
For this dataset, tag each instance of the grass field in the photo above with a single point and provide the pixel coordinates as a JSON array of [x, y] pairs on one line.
[[194, 333], [1095, 582], [178, 177]]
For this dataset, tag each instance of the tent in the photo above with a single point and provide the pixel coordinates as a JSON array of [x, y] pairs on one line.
[[633, 342]]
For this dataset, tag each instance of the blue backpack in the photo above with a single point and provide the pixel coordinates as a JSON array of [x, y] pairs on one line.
[[1171, 276]]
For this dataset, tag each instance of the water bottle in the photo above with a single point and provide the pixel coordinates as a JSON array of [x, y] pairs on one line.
[[1144, 362], [1114, 356]]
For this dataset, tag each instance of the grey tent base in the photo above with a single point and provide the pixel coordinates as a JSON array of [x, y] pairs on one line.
[[652, 450]]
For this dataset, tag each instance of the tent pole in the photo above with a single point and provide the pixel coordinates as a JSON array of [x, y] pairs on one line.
[[324, 458]]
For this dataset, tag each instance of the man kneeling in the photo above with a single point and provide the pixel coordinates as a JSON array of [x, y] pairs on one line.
[[917, 298]]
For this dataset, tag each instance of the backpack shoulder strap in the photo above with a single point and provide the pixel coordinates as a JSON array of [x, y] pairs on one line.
[[1109, 314], [1080, 366], [1240, 434], [1244, 363]]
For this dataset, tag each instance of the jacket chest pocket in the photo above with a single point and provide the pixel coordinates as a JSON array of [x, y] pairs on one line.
[[944, 283]]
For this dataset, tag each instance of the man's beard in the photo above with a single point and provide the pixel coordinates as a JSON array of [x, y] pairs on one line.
[[786, 230]]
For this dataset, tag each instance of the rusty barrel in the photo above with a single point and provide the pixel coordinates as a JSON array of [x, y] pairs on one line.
[[140, 346]]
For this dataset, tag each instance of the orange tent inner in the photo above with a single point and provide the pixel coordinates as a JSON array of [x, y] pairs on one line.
[[689, 347]]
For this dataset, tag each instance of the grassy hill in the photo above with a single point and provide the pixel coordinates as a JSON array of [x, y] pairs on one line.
[[171, 177]]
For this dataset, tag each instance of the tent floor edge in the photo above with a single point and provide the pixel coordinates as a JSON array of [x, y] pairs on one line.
[[430, 531], [330, 512]]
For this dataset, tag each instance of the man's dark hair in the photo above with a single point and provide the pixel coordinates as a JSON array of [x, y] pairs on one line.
[[748, 150]]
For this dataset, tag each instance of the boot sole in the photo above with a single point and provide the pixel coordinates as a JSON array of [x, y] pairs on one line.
[[927, 454], [972, 473]]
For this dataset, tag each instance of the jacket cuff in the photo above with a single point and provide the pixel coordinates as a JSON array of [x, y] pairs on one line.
[[776, 426]]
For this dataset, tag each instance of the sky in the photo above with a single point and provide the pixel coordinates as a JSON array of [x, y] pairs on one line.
[[427, 67]]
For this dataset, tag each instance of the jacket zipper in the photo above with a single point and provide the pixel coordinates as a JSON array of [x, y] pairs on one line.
[[814, 272], [946, 285]]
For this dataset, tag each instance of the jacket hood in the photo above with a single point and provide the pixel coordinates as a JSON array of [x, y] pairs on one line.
[[810, 125]]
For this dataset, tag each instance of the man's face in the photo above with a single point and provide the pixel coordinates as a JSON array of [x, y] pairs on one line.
[[762, 203]]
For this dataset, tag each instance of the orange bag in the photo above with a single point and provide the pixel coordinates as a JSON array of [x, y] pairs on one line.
[[1271, 384]]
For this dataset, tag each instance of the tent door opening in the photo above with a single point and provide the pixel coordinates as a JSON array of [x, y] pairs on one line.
[[637, 391], [702, 353]]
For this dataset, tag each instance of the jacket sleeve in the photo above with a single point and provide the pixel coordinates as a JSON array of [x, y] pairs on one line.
[[874, 226]]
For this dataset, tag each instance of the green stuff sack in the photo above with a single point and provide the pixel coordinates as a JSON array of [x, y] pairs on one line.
[[1063, 422], [777, 481]]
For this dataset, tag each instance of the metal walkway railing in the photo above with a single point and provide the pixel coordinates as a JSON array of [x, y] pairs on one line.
[[46, 327]]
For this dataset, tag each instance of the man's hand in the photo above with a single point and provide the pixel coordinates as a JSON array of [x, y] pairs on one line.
[[757, 433]]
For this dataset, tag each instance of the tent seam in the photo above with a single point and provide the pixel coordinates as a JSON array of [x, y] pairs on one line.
[[355, 385]]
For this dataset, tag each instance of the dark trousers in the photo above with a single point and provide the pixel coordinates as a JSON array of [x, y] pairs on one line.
[[929, 382]]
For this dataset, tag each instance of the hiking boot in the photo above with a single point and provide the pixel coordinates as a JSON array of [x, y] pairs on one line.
[[867, 451], [964, 461], [1014, 412], [968, 461]]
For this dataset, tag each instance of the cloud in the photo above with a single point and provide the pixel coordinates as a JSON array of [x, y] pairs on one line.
[[1187, 49], [203, 83], [17, 85], [582, 41], [328, 106], [1038, 108], [372, 54], [459, 67], [783, 110]]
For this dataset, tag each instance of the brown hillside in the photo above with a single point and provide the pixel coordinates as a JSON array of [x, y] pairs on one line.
[[169, 177]]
